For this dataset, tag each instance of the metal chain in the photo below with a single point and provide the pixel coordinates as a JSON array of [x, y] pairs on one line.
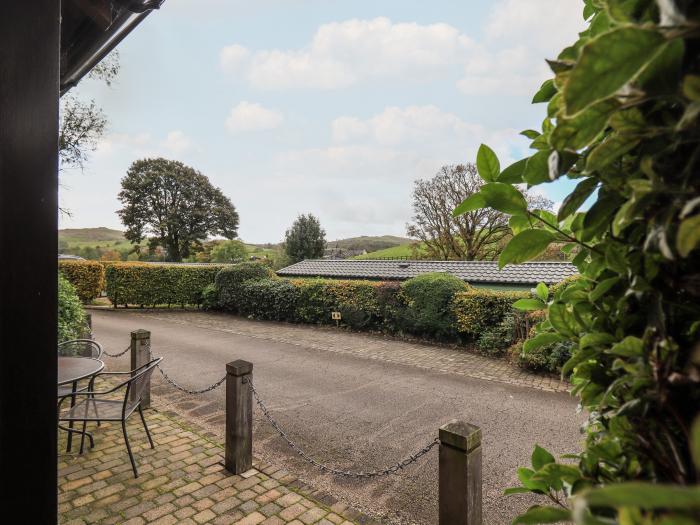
[[180, 387], [325, 468], [105, 352]]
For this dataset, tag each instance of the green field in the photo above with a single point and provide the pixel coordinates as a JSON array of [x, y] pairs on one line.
[[401, 251]]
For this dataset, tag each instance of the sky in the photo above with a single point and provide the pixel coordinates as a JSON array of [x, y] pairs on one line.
[[327, 107]]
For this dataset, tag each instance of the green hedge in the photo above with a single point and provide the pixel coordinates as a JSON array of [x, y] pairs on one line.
[[146, 284], [71, 315], [229, 280], [87, 277], [479, 309]]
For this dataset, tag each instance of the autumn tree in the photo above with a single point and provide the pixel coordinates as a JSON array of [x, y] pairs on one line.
[[477, 235], [175, 206], [305, 239]]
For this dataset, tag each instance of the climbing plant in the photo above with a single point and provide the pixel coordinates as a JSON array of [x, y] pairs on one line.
[[622, 122]]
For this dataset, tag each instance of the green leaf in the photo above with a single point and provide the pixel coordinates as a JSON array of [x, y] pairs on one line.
[[538, 514], [576, 198], [688, 235], [630, 346], [607, 63], [542, 291], [579, 131], [540, 340], [598, 217], [647, 496], [471, 203], [487, 164], [547, 91], [540, 458], [524, 246], [537, 168], [611, 149], [596, 339], [529, 304], [513, 174], [602, 288], [519, 223], [562, 320], [530, 133], [504, 197], [691, 87]]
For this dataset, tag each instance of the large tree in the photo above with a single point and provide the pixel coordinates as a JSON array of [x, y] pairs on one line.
[[477, 235], [175, 206], [305, 239]]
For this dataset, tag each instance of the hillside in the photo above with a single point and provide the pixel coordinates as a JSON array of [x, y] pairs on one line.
[[401, 251], [368, 243], [90, 235]]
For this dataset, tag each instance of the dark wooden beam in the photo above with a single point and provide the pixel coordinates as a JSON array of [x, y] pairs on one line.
[[29, 73]]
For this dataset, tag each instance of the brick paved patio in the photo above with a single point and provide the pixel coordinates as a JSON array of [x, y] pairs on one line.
[[181, 481]]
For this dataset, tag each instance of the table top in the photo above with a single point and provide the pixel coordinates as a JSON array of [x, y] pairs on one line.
[[71, 369]]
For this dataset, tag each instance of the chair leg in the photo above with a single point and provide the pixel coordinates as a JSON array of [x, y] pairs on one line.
[[128, 449], [82, 438], [143, 420]]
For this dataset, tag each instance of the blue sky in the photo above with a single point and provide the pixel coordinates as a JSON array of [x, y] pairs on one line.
[[323, 106]]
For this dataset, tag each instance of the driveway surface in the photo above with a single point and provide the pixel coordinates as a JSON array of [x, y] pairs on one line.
[[357, 402]]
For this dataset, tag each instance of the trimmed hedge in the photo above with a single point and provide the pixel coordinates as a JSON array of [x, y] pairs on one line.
[[428, 301], [151, 284], [478, 309], [229, 280], [71, 315], [87, 277]]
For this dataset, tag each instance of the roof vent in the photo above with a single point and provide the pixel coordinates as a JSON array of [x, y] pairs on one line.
[[404, 265]]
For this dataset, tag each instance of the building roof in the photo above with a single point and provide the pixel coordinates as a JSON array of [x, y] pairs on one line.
[[470, 271]]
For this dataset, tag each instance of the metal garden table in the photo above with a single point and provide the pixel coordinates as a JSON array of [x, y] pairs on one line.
[[70, 371]]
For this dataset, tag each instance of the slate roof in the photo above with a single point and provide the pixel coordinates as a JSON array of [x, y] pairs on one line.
[[470, 271]]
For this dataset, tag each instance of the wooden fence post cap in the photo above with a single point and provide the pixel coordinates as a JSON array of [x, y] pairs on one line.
[[140, 334], [461, 435], [239, 367]]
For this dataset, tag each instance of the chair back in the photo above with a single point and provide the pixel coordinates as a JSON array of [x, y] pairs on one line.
[[80, 348], [137, 384]]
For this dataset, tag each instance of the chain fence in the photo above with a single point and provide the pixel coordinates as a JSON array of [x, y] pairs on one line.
[[393, 469], [105, 352]]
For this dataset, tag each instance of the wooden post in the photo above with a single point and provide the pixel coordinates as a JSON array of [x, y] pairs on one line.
[[460, 474], [239, 417], [140, 355]]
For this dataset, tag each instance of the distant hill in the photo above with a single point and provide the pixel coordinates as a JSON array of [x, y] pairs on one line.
[[369, 243], [91, 235], [401, 251]]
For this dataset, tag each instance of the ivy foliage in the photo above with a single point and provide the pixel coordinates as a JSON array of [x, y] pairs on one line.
[[622, 121]]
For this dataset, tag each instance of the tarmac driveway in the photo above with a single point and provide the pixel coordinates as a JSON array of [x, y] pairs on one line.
[[357, 402]]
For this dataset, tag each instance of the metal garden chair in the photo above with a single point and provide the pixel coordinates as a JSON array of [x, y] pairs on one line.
[[95, 406]]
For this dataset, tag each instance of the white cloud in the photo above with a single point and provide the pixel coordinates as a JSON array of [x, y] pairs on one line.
[[176, 142], [343, 53], [249, 116], [519, 36], [365, 176]]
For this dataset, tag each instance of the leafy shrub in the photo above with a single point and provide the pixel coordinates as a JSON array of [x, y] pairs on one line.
[[622, 119], [546, 358], [229, 280], [87, 277], [71, 315], [392, 307], [476, 310], [429, 304], [210, 297], [271, 299], [495, 340], [228, 252], [151, 284]]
